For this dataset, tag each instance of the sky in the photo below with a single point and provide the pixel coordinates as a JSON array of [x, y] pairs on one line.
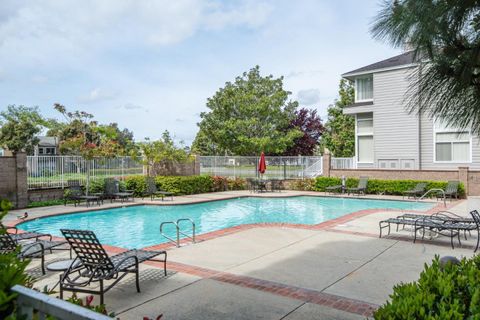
[[151, 65]]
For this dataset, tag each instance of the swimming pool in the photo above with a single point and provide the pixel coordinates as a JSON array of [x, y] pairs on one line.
[[138, 226]]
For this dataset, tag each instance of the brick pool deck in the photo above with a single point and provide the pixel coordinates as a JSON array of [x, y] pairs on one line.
[[338, 269]]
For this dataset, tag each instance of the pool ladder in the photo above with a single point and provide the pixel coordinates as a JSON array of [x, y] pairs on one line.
[[177, 226]]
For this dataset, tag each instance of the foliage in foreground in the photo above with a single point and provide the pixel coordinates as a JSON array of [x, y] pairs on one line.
[[377, 186], [12, 273], [451, 292]]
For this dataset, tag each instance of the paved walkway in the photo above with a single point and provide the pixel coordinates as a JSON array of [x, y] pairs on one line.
[[339, 270]]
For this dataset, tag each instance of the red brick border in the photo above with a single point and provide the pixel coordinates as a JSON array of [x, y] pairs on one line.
[[293, 292]]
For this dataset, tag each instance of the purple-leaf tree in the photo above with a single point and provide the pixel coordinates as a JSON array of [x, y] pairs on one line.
[[310, 124]]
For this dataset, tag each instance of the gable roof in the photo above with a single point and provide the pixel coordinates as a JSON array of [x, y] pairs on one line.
[[45, 141], [403, 59]]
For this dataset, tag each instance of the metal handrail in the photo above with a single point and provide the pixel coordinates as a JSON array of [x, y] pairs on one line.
[[193, 228], [177, 242], [436, 190]]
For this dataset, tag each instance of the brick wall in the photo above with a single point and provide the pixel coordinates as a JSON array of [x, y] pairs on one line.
[[8, 178], [13, 179]]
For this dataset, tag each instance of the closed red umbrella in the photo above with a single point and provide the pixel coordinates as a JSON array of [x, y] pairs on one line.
[[262, 166]]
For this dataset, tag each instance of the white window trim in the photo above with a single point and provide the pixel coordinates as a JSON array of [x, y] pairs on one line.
[[451, 130], [356, 91], [360, 135]]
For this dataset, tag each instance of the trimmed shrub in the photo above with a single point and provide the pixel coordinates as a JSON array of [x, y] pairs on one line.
[[237, 184], [449, 292], [219, 183], [180, 185], [138, 184], [303, 185], [377, 186]]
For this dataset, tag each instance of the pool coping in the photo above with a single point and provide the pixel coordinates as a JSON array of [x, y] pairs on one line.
[[13, 223], [234, 229]]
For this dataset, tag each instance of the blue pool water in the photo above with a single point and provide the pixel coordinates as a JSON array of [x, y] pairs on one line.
[[138, 226]]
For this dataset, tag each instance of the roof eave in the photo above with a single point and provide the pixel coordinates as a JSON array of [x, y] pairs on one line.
[[352, 75]]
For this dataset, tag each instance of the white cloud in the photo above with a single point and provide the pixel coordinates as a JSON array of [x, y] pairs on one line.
[[96, 95], [131, 106], [308, 96]]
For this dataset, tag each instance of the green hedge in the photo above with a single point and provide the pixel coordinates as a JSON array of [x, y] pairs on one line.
[[450, 292], [183, 185], [376, 186]]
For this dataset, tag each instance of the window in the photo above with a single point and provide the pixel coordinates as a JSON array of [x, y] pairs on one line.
[[40, 151], [451, 144], [364, 135], [364, 88], [50, 151]]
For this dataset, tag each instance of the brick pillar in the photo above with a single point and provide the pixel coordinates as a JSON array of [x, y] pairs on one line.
[[21, 191], [196, 170], [463, 177], [326, 163]]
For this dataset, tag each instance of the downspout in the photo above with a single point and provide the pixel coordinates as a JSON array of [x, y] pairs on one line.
[[419, 120]]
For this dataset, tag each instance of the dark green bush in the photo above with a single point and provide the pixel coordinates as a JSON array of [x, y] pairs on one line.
[[449, 293], [185, 185], [376, 186]]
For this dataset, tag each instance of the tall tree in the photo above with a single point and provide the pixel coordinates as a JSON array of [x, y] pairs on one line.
[[310, 124], [80, 134], [163, 151], [19, 128], [249, 115], [339, 135], [446, 34]]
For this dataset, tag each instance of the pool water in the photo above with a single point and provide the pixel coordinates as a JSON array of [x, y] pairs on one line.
[[138, 226]]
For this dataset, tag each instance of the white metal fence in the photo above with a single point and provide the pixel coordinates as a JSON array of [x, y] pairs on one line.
[[56, 171], [247, 167], [343, 163], [32, 304]]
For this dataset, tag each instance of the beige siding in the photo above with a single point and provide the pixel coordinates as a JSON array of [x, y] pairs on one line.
[[395, 130]]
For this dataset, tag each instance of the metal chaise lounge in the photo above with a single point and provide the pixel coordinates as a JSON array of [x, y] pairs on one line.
[[418, 191], [96, 266], [153, 191], [112, 191], [36, 249], [444, 228], [361, 188], [24, 235], [437, 223]]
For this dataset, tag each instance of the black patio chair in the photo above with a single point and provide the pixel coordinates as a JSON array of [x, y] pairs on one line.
[[476, 217], [96, 266], [16, 236], [76, 195], [154, 192], [112, 191], [417, 191], [36, 249], [361, 188], [334, 189], [451, 190]]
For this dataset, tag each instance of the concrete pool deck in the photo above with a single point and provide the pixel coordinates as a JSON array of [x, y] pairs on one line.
[[340, 271]]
